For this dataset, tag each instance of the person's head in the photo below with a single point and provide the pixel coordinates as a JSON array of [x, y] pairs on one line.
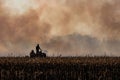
[[32, 51], [37, 44]]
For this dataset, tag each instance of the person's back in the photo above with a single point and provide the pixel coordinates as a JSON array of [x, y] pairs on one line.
[[32, 54], [37, 49]]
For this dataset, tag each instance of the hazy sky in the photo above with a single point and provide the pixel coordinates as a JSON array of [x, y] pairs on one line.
[[67, 27]]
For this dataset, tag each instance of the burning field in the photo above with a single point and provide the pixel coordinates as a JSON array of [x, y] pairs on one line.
[[62, 28]]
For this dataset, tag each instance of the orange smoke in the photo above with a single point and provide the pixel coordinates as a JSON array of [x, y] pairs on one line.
[[42, 21]]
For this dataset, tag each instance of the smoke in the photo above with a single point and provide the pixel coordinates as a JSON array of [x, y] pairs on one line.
[[83, 46], [110, 19], [19, 31], [54, 23]]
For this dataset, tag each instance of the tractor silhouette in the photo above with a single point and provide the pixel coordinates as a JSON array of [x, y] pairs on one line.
[[39, 53]]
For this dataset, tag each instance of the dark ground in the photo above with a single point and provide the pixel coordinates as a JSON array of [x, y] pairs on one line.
[[74, 68]]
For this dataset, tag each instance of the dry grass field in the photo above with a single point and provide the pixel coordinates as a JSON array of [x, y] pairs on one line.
[[66, 68]]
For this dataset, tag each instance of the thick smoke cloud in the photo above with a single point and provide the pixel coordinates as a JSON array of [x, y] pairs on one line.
[[19, 31], [83, 46], [110, 19], [66, 27]]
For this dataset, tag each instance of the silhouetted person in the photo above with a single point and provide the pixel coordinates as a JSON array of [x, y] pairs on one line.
[[38, 48], [32, 54]]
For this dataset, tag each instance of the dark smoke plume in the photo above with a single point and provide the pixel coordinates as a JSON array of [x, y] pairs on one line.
[[83, 46]]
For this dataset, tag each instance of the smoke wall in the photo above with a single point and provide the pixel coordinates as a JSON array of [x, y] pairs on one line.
[[66, 27]]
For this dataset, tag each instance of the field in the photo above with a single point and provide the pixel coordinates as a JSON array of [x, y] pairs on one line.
[[74, 68]]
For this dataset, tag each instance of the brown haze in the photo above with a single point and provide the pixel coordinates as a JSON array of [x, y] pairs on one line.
[[67, 27]]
